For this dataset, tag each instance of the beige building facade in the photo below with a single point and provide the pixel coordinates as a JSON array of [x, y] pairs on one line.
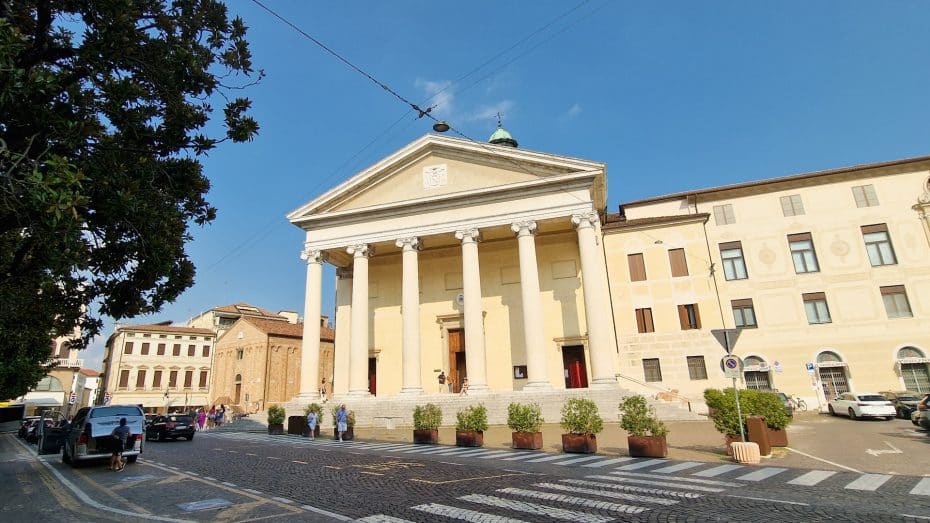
[[258, 363], [164, 368], [500, 265]]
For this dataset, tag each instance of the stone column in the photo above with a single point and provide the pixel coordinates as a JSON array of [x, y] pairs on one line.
[[537, 377], [310, 347], [358, 348], [475, 364], [596, 306], [410, 310]]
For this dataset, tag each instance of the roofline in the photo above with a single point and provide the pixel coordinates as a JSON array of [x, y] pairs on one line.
[[781, 179]]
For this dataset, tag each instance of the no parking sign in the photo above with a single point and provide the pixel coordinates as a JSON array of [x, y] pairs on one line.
[[732, 366]]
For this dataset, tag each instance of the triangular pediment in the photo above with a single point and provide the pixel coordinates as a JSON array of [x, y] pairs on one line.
[[435, 167]]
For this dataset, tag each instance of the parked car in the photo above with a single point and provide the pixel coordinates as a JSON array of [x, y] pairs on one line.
[[786, 401], [905, 402], [149, 418], [921, 416], [89, 435], [862, 405], [32, 433], [172, 426]]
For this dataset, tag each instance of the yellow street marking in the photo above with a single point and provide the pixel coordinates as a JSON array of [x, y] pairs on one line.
[[250, 454], [431, 482]]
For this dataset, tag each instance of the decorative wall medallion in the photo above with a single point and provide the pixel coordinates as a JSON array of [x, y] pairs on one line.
[[839, 247], [435, 176], [766, 255]]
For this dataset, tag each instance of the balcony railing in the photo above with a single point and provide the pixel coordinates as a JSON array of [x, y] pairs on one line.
[[62, 362]]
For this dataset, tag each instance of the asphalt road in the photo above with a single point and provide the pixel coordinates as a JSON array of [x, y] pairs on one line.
[[244, 477]]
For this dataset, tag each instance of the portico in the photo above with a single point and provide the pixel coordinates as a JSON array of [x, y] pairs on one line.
[[451, 242]]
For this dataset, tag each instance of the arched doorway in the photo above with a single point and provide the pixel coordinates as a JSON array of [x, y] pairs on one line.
[[913, 364], [238, 389], [832, 371], [756, 373]]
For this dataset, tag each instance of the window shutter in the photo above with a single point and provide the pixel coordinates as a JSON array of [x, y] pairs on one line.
[[683, 317], [145, 349], [640, 321], [156, 379], [676, 258], [123, 378], [637, 267], [188, 379], [879, 227], [127, 349], [206, 351], [140, 379], [741, 303], [731, 245], [697, 317], [161, 349], [203, 379], [892, 289]]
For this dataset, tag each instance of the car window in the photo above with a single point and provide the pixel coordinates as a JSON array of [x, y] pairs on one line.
[[180, 419], [908, 398], [872, 397], [103, 412]]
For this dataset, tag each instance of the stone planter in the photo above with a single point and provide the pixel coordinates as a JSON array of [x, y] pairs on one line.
[[527, 440], [469, 438], [647, 446], [426, 436], [778, 437], [348, 435], [579, 443], [276, 429]]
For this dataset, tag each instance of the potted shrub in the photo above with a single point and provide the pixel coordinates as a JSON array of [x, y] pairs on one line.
[[722, 410], [315, 407], [426, 421], [646, 434], [470, 424], [276, 419], [771, 407], [350, 425], [525, 422], [582, 423]]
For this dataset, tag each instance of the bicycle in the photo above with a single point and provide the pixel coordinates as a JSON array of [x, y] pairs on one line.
[[799, 404]]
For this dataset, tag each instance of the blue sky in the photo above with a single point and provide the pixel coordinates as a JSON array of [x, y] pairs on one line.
[[671, 95]]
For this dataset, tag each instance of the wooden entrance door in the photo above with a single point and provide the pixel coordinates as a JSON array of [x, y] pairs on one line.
[[238, 388], [457, 371], [373, 376], [576, 372]]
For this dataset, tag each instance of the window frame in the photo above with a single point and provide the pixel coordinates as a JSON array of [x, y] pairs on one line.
[[689, 316], [868, 196], [637, 266], [803, 257], [795, 205], [678, 263], [127, 347], [644, 320], [724, 215], [649, 373], [879, 228], [696, 372], [896, 291], [742, 306], [732, 264], [816, 298]]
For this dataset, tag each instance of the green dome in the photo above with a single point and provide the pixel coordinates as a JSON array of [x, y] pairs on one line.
[[502, 137]]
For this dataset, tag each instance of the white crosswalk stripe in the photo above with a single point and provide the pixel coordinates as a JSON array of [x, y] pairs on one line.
[[607, 493], [535, 508], [686, 480], [463, 514], [631, 488], [717, 471], [548, 458], [922, 488], [643, 464], [761, 474], [812, 478], [525, 455], [497, 455], [868, 482], [381, 518], [607, 462], [601, 505], [667, 483], [678, 467], [578, 460]]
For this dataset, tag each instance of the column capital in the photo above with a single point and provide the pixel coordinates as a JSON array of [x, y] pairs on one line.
[[409, 243], [312, 255], [583, 220], [469, 235], [523, 227], [361, 250]]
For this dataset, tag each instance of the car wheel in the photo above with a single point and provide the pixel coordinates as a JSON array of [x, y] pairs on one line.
[[190, 438], [852, 413], [830, 409], [131, 459]]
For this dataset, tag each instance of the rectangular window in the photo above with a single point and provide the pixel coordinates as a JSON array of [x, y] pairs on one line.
[[239, 354], [878, 245], [173, 379], [744, 315], [802, 253], [191, 350], [203, 379], [723, 214], [644, 321], [206, 351], [161, 349], [791, 205], [689, 317], [815, 304], [696, 368], [734, 267], [156, 379], [140, 379], [651, 369], [127, 348], [896, 304], [865, 196], [123, 379], [145, 349], [176, 350], [676, 258], [637, 267], [188, 379]]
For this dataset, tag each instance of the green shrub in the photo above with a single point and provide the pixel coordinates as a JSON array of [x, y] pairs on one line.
[[350, 419], [722, 409], [638, 418], [474, 418], [315, 407], [524, 418], [769, 406], [276, 415], [579, 416], [427, 417]]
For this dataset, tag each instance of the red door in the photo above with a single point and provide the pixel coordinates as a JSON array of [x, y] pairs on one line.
[[373, 376], [576, 373], [456, 358]]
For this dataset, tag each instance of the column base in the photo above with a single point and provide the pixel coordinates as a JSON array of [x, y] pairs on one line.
[[308, 397], [412, 391], [358, 394], [474, 389], [604, 383]]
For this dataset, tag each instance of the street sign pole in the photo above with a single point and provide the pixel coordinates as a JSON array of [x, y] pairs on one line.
[[739, 412]]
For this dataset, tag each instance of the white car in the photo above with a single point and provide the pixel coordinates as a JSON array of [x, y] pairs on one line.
[[862, 405]]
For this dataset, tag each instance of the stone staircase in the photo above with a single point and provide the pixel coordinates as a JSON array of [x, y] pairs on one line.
[[397, 411]]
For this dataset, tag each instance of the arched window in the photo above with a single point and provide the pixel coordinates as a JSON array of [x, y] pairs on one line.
[[49, 384], [910, 352], [756, 373], [914, 369], [832, 372], [753, 361], [829, 357], [64, 350]]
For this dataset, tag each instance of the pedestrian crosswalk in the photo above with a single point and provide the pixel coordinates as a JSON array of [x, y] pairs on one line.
[[688, 475]]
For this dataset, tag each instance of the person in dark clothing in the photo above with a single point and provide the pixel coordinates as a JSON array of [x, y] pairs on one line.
[[120, 437]]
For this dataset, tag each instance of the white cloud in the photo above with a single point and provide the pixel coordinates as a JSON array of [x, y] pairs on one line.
[[489, 112], [439, 95], [573, 111]]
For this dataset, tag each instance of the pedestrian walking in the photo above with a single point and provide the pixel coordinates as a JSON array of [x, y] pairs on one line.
[[220, 416], [323, 390], [311, 423], [342, 420], [211, 417], [120, 436], [201, 419], [464, 390], [442, 381]]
